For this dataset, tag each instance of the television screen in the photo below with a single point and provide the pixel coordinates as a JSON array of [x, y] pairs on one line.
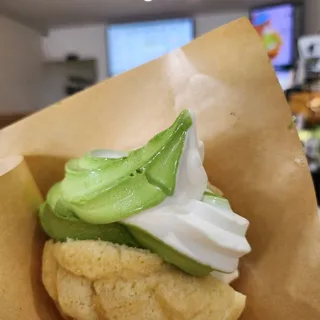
[[276, 25], [133, 44]]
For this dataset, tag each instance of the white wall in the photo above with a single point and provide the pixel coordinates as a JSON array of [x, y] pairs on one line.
[[207, 22], [89, 42], [20, 68], [312, 16]]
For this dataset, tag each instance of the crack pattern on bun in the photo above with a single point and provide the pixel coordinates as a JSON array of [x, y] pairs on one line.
[[96, 280]]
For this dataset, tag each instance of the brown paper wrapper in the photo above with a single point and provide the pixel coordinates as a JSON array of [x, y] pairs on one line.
[[21, 242], [252, 154]]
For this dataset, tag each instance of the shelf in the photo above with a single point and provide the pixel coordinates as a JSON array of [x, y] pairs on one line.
[[71, 62]]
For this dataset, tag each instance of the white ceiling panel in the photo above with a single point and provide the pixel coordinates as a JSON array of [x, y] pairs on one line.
[[48, 13]]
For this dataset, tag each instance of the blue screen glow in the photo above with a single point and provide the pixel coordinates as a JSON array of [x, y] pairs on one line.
[[133, 44]]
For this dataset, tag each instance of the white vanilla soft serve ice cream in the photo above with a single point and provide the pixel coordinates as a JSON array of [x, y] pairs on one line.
[[202, 228]]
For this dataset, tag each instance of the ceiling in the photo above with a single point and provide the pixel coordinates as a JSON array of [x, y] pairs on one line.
[[47, 13]]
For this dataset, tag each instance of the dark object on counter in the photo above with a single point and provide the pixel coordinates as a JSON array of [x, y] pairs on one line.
[[316, 183], [72, 57], [77, 84], [72, 90], [80, 80]]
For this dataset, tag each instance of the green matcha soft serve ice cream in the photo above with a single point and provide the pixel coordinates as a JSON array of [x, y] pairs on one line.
[[154, 197]]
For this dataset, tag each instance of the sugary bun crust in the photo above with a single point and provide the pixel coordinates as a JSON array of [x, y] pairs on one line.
[[94, 280]]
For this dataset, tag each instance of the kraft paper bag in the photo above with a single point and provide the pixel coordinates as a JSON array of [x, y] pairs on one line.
[[253, 155]]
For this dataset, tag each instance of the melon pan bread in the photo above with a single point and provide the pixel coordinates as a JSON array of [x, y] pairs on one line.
[[95, 280]]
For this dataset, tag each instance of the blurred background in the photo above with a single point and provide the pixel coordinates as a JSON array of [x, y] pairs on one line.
[[52, 49]]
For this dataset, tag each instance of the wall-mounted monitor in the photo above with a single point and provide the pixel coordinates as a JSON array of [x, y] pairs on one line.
[[279, 25], [130, 45]]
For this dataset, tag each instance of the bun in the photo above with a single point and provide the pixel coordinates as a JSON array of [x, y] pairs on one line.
[[95, 280]]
